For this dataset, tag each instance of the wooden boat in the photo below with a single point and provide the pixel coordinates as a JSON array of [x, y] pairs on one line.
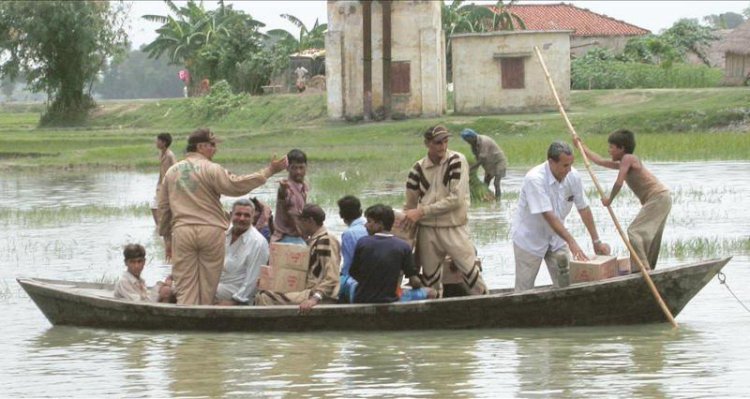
[[616, 301]]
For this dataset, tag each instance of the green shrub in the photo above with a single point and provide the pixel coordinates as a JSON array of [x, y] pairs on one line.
[[589, 73], [220, 101]]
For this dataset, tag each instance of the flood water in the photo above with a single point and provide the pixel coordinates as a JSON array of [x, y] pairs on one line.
[[73, 226]]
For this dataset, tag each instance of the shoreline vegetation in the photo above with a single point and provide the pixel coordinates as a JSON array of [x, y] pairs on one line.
[[671, 125]]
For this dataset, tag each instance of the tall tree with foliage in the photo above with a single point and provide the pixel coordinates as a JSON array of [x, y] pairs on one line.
[[60, 46], [307, 38], [687, 35], [458, 17]]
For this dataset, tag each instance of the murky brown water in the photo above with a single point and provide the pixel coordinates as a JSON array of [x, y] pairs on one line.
[[44, 233]]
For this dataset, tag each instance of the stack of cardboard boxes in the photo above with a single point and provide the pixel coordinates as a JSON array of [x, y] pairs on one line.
[[287, 269]]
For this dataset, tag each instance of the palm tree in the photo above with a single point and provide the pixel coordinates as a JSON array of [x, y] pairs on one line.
[[181, 36], [307, 38]]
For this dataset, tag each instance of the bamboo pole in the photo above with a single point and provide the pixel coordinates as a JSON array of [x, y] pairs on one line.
[[644, 271]]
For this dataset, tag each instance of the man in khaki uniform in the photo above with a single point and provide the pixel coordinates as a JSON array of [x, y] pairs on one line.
[[437, 201], [190, 212], [324, 267]]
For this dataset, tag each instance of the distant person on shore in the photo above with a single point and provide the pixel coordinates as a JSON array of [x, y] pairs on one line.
[[290, 199], [166, 160], [132, 287], [246, 251], [190, 212], [380, 261], [488, 155], [645, 231], [350, 210], [548, 193], [322, 281]]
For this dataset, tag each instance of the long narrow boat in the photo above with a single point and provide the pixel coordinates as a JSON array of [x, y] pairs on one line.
[[617, 301]]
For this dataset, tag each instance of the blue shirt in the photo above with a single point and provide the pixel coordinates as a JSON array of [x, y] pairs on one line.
[[349, 240]]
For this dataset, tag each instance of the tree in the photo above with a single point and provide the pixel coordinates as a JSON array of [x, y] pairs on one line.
[[727, 20], [458, 17], [210, 44], [60, 46], [687, 35], [307, 38]]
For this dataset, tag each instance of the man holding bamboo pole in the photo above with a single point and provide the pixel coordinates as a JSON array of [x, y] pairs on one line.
[[547, 196]]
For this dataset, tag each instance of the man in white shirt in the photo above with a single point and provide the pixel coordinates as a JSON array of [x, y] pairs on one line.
[[246, 251], [547, 195]]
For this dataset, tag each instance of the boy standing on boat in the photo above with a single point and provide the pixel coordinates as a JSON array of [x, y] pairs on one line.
[[645, 231], [322, 283], [246, 251], [437, 201], [190, 212], [548, 194], [290, 199]]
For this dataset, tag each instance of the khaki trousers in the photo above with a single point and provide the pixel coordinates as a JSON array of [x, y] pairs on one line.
[[197, 261], [527, 266], [647, 228], [434, 243]]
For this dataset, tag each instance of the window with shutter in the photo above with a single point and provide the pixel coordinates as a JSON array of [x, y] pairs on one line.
[[400, 77], [512, 71]]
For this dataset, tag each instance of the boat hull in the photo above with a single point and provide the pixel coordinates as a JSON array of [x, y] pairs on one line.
[[618, 301]]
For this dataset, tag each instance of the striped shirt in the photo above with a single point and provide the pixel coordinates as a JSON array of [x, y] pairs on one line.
[[440, 190], [323, 272]]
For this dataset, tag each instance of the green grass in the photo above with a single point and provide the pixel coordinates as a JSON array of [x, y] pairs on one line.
[[670, 125]]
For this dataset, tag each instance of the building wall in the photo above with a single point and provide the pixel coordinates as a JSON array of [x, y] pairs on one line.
[[581, 45], [477, 71], [416, 38], [737, 68]]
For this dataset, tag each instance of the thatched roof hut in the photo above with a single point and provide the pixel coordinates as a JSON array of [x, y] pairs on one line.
[[736, 46], [738, 40]]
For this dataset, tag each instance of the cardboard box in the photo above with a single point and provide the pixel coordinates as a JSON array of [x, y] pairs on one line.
[[598, 267], [623, 266], [408, 235], [281, 280], [289, 256]]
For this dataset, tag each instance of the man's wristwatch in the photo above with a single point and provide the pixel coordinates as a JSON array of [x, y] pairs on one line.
[[597, 241], [317, 296]]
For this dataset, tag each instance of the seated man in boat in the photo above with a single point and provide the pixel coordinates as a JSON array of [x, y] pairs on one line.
[[379, 261], [350, 209], [246, 251], [322, 282], [132, 287], [538, 230]]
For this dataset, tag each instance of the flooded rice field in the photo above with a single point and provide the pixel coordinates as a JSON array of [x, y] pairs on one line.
[[73, 226]]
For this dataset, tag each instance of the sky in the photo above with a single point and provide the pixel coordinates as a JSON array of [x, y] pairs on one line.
[[649, 14]]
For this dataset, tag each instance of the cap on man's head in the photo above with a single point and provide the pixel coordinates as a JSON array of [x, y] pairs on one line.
[[468, 133], [203, 135], [437, 132]]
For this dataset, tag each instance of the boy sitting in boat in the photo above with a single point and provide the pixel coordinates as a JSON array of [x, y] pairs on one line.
[[646, 229], [380, 258], [132, 287], [322, 282]]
